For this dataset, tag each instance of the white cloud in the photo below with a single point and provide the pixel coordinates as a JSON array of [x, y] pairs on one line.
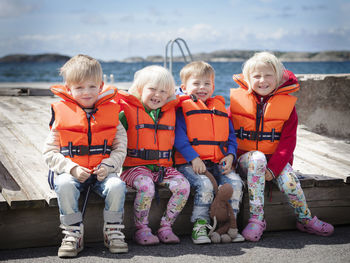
[[14, 8], [117, 45], [92, 19]]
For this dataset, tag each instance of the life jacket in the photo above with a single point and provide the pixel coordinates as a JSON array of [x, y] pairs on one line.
[[85, 138], [148, 142], [258, 125], [207, 128]]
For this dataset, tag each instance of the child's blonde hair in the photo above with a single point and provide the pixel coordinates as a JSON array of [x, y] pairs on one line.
[[154, 75], [81, 68], [196, 68], [268, 59]]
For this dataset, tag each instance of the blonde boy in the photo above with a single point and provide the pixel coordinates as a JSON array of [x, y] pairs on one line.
[[86, 142]]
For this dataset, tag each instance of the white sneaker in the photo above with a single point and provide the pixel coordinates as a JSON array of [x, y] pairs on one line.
[[238, 238], [73, 241], [114, 238]]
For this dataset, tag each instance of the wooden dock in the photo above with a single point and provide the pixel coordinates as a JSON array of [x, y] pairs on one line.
[[28, 207]]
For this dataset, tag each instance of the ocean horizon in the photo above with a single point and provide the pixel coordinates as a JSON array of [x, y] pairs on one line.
[[124, 71]]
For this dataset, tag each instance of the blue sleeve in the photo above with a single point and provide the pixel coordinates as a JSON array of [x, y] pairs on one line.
[[232, 142], [182, 143]]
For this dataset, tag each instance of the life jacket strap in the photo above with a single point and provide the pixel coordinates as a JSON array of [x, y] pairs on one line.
[[221, 144], [146, 154], [155, 127], [81, 150], [214, 111], [254, 136]]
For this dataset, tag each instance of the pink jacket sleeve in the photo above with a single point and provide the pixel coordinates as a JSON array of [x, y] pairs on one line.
[[286, 146]]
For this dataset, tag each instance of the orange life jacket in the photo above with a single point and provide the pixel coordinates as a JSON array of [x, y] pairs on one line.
[[207, 128], [148, 142], [262, 131], [85, 138]]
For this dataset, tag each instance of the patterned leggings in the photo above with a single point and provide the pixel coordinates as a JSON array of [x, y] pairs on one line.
[[144, 182], [253, 165]]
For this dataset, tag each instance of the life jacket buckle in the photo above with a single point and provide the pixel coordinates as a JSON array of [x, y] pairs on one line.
[[149, 154], [83, 150], [253, 135]]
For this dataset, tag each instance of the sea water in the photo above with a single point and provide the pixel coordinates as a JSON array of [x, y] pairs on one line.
[[124, 72]]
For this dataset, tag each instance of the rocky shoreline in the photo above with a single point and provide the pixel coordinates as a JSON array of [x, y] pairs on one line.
[[215, 56]]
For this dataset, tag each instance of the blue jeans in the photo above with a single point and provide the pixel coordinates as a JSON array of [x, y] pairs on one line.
[[204, 192], [68, 189]]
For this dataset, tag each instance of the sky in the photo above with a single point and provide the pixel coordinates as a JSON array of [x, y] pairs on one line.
[[114, 30]]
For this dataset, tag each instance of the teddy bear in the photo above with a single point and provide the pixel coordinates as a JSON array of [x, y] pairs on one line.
[[221, 213]]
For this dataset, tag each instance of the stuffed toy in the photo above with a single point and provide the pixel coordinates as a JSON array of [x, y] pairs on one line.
[[222, 214]]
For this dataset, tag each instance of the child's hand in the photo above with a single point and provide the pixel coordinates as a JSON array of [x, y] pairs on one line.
[[226, 163], [81, 173], [198, 166], [101, 173], [268, 175]]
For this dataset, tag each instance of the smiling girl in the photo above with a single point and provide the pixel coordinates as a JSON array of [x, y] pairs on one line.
[[149, 118], [265, 121]]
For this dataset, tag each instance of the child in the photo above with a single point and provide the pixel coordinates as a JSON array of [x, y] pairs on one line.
[[149, 118], [205, 140], [86, 140], [265, 121]]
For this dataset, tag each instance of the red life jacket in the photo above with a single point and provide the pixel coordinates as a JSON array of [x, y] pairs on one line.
[[85, 138], [148, 142], [260, 131], [207, 128]]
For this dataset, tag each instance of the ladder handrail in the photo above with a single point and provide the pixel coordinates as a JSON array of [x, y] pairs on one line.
[[178, 41]]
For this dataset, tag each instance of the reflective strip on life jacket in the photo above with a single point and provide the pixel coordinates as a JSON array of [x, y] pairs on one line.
[[253, 135], [145, 154], [81, 150]]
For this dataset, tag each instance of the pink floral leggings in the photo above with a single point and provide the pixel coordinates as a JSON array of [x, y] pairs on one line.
[[143, 180], [253, 165]]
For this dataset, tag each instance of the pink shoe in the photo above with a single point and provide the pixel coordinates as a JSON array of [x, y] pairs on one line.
[[145, 237], [317, 227], [254, 230], [166, 235]]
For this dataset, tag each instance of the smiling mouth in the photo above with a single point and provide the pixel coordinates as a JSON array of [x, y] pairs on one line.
[[155, 101], [201, 94]]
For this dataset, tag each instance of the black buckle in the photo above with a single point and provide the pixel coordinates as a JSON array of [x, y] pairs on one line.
[[252, 135], [149, 154], [83, 150], [195, 141]]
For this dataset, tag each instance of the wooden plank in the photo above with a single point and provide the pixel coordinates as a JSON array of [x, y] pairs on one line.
[[3, 203], [317, 154], [30, 136], [24, 163]]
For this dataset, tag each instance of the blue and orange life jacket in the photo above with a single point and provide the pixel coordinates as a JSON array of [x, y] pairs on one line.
[[207, 128]]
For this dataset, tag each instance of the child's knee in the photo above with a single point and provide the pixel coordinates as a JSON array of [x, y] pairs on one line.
[[257, 157], [180, 186], [145, 185], [116, 185], [64, 182], [204, 184]]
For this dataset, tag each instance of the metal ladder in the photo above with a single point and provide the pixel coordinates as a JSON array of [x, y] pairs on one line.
[[178, 41]]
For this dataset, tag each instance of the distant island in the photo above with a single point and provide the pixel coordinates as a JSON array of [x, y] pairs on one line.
[[18, 58], [215, 56]]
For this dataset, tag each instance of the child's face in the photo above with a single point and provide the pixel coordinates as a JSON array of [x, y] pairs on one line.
[[200, 86], [154, 97], [263, 79], [85, 93]]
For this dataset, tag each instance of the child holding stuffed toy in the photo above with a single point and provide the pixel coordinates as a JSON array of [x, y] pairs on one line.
[[149, 118], [265, 120], [205, 140]]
